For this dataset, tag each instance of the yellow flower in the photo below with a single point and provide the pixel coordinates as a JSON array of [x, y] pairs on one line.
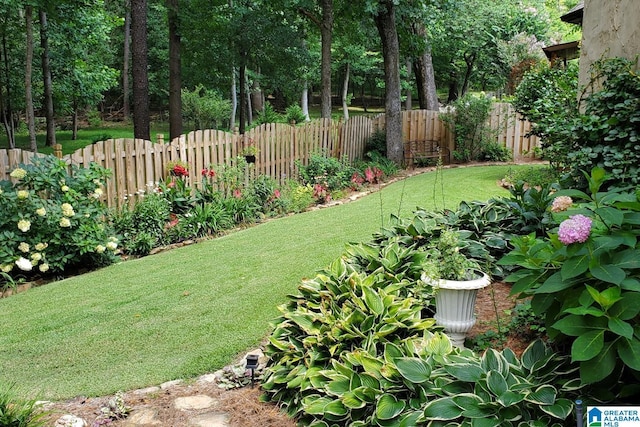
[[67, 210], [18, 173], [23, 194], [24, 247], [98, 193], [64, 222], [64, 188], [112, 246], [100, 249], [41, 246], [41, 211], [24, 225], [6, 268], [36, 256], [43, 267]]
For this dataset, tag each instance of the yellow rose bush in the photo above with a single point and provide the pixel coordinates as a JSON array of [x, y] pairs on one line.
[[51, 219]]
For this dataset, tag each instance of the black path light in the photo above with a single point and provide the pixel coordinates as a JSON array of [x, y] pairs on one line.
[[252, 364]]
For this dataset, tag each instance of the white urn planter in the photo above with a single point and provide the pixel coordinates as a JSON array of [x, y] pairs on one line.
[[455, 303]]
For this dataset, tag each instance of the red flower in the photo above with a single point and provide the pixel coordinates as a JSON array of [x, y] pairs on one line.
[[179, 170], [208, 172]]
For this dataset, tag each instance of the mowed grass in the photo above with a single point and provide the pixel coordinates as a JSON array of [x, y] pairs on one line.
[[193, 310]]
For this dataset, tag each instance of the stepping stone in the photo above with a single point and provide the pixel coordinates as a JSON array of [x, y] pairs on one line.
[[200, 401], [144, 417], [210, 419]]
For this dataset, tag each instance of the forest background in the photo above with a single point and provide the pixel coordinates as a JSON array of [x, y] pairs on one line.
[[139, 60]]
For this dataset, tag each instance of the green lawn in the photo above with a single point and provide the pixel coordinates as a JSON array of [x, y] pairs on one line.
[[192, 310]]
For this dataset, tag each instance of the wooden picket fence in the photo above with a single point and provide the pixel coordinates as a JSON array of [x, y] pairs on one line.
[[138, 165]]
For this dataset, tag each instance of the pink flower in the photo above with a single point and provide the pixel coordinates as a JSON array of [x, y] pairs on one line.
[[576, 229], [276, 193], [561, 203], [171, 184], [237, 194]]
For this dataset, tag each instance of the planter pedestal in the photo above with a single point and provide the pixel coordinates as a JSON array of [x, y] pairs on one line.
[[455, 303]]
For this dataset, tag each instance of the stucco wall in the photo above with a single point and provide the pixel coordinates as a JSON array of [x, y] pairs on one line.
[[609, 28]]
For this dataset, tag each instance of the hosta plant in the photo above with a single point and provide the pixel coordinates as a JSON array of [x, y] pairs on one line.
[[332, 347], [585, 277]]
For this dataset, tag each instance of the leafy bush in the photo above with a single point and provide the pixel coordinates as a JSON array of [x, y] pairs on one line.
[[328, 172], [52, 220], [585, 278], [533, 176], [376, 143], [468, 122], [205, 108], [607, 135], [294, 114], [296, 197], [268, 115], [494, 152]]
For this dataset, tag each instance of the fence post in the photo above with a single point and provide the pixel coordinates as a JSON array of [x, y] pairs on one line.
[[160, 138], [57, 150]]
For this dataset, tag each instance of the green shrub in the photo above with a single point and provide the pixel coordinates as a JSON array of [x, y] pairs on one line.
[[376, 143], [205, 108], [51, 220], [468, 122], [294, 114], [296, 197], [330, 173], [585, 279], [268, 115], [494, 152], [607, 135], [533, 176]]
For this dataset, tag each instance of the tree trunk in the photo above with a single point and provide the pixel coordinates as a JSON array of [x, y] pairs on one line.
[[7, 113], [141, 127], [257, 95], [126, 52], [469, 59], [326, 31], [46, 74], [386, 24], [249, 104], [304, 101], [407, 97], [31, 119], [425, 77], [242, 97], [345, 92], [234, 100], [175, 77], [74, 122]]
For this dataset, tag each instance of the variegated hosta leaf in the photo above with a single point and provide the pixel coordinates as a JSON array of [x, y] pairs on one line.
[[389, 407]]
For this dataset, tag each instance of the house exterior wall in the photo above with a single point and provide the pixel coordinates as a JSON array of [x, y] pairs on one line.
[[609, 28]]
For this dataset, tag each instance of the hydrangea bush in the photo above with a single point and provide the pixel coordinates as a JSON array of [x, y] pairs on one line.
[[51, 219], [585, 278]]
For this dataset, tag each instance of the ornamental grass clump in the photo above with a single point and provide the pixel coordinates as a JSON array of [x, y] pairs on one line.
[[52, 219]]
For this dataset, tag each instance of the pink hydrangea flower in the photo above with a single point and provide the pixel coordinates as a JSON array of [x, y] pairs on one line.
[[576, 229], [561, 203]]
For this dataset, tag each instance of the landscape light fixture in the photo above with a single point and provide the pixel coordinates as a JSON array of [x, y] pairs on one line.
[[252, 364]]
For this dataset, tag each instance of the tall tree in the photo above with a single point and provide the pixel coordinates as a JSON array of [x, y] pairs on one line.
[[48, 84], [28, 73], [325, 24], [141, 125], [385, 18], [423, 70], [175, 79]]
